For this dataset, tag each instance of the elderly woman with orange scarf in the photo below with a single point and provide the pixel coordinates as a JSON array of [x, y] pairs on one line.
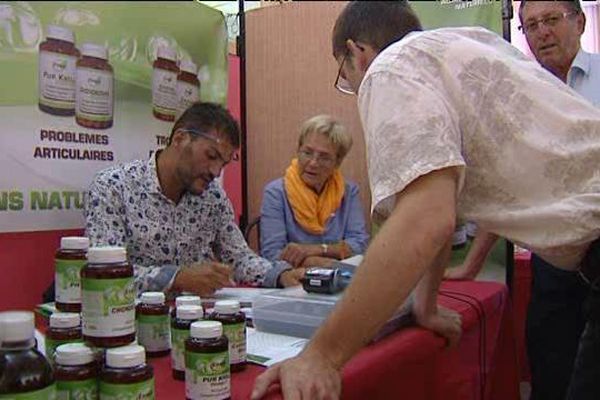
[[313, 216]]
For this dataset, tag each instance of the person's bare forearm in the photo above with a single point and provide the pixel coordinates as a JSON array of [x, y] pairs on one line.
[[427, 289], [482, 244]]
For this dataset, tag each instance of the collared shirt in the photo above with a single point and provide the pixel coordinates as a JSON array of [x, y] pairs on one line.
[[278, 226], [584, 76], [126, 207], [526, 145]]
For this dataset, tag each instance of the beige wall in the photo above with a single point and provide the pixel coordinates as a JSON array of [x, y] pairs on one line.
[[290, 76]]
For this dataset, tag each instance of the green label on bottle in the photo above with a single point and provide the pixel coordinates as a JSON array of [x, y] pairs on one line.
[[108, 307], [178, 337], [77, 390], [207, 375], [127, 391], [153, 332], [52, 344], [68, 281], [236, 333], [48, 393]]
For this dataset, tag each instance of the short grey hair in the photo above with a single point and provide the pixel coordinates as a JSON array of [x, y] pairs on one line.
[[330, 128]]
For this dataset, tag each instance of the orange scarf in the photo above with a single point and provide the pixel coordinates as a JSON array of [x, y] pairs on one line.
[[312, 210]]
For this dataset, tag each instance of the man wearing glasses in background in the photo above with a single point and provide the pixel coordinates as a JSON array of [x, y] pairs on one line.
[[174, 217], [555, 318]]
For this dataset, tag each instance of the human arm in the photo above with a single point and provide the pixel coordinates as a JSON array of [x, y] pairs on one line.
[[423, 217], [473, 262], [248, 267], [273, 231]]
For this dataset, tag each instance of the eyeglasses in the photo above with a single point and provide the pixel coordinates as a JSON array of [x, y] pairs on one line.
[[323, 160], [208, 136], [342, 84], [549, 21]]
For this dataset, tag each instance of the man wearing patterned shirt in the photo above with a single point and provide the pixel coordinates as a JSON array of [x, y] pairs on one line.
[[174, 217], [456, 122]]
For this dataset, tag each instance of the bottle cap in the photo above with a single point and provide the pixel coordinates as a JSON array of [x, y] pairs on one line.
[[94, 50], [153, 298], [74, 354], [188, 301], [108, 254], [126, 356], [227, 306], [190, 312], [168, 53], [64, 320], [74, 243], [16, 326], [60, 33], [206, 329], [188, 66]]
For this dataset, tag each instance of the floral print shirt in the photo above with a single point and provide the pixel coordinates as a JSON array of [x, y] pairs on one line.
[[527, 145], [125, 206]]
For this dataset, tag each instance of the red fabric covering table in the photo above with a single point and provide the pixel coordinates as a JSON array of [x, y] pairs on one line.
[[413, 363]]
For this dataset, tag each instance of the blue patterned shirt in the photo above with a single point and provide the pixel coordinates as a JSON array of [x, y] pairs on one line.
[[126, 207]]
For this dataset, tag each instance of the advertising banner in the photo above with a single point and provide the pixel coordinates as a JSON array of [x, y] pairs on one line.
[[84, 85], [446, 13]]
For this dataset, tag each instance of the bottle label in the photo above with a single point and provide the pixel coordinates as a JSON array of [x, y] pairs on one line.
[[56, 80], [178, 337], [94, 94], [164, 95], [127, 391], [187, 94], [52, 344], [75, 390], [68, 280], [107, 306], [153, 332], [236, 333], [207, 376], [48, 393]]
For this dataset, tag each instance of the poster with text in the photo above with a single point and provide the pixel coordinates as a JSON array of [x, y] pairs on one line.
[[85, 85]]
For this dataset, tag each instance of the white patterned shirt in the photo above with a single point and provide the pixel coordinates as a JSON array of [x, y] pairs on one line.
[[126, 207], [527, 146]]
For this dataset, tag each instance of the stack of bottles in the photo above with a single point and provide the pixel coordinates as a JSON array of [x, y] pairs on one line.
[[102, 351]]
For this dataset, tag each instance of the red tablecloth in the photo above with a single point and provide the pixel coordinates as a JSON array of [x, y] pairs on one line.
[[413, 363]]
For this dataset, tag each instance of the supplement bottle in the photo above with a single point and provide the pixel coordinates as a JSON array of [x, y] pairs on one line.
[[180, 331], [94, 91], [56, 72], [76, 372], [185, 301], [188, 86], [126, 374], [64, 328], [153, 330], [207, 374], [234, 327], [107, 298], [164, 84], [26, 374], [68, 262]]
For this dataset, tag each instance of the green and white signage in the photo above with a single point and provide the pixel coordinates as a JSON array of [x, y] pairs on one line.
[[76, 95]]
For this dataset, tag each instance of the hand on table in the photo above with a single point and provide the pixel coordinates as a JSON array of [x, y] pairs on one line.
[[307, 376], [444, 322], [295, 253], [460, 273], [203, 278], [291, 277], [317, 261]]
